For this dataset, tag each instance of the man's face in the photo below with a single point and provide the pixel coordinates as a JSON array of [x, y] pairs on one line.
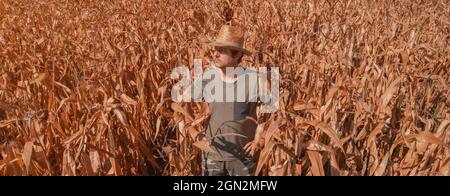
[[223, 57]]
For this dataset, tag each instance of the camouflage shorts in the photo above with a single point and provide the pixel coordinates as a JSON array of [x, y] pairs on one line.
[[237, 167]]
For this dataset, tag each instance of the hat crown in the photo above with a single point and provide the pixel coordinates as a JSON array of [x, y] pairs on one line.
[[231, 37], [231, 34]]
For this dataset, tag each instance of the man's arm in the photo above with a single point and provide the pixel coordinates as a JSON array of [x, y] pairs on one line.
[[189, 107], [258, 142]]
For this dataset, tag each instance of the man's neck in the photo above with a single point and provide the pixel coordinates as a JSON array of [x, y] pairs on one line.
[[228, 76]]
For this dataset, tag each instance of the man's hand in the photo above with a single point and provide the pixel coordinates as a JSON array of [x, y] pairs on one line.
[[201, 136], [203, 144], [257, 144]]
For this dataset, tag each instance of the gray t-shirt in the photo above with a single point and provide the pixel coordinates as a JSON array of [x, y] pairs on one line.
[[232, 124]]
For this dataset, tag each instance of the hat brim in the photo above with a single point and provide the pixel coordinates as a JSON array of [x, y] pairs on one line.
[[223, 45]]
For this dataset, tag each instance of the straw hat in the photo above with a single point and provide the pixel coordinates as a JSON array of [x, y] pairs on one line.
[[231, 37]]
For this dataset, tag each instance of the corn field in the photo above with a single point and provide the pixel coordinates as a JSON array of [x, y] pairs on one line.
[[85, 85]]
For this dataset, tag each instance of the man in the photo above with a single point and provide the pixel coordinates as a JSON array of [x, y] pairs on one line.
[[232, 124]]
